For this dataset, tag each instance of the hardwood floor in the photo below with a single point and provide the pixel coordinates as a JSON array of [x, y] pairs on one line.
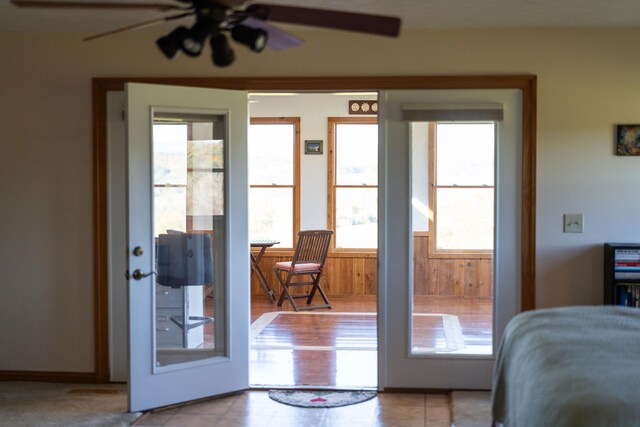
[[337, 348]]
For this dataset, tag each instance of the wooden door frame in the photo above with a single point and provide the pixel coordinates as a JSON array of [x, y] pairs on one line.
[[527, 84]]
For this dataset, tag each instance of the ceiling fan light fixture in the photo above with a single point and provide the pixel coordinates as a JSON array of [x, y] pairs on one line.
[[171, 44], [222, 54], [254, 38], [248, 25], [193, 42]]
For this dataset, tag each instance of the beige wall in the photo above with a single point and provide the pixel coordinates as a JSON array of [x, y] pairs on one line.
[[587, 82]]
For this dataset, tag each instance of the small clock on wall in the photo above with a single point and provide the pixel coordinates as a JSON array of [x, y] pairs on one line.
[[363, 107]]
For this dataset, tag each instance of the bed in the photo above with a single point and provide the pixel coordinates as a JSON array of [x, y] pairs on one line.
[[569, 366]]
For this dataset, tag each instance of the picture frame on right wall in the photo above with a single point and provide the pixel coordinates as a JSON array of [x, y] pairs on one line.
[[628, 140]]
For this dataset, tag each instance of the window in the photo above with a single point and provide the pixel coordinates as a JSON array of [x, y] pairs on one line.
[[462, 196], [274, 193], [353, 182]]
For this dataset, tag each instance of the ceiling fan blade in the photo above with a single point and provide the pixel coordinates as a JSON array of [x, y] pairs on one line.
[[162, 7], [277, 39], [232, 3], [137, 26], [350, 21]]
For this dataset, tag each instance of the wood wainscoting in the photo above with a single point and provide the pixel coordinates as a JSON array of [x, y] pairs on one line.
[[456, 275], [356, 273], [344, 274]]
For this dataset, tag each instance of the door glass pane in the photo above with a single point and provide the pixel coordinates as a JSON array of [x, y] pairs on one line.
[[356, 218], [169, 155], [189, 231], [170, 209], [465, 153], [464, 219], [421, 211], [271, 215], [452, 309]]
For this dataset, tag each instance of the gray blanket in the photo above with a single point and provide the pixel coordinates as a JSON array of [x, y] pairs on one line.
[[570, 366]]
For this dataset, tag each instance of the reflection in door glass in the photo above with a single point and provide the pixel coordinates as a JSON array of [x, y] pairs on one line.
[[453, 232], [189, 233]]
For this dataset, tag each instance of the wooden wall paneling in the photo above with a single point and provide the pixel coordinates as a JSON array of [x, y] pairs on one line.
[[421, 266], [446, 276], [329, 275], [471, 278], [266, 265], [370, 277], [338, 280], [345, 283], [342, 275], [358, 275], [459, 277], [485, 273], [433, 278]]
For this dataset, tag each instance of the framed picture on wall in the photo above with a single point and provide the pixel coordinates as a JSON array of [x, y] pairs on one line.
[[628, 140], [312, 146]]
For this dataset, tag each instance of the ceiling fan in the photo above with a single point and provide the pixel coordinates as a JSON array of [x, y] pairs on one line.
[[248, 24]]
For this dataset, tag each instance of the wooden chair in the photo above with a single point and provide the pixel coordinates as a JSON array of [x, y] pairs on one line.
[[308, 260]]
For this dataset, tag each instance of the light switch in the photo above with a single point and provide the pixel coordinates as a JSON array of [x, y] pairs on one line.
[[573, 223]]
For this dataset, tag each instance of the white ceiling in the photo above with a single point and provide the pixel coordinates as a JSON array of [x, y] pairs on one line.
[[414, 14]]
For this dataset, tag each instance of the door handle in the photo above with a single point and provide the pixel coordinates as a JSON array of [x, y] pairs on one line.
[[138, 275]]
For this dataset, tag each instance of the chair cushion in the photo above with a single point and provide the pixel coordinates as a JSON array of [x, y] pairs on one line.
[[286, 265]]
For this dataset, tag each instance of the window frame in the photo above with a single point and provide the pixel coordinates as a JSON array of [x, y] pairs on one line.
[[295, 121], [434, 252], [332, 122]]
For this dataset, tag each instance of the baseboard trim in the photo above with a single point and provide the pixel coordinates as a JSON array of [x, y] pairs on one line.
[[49, 377]]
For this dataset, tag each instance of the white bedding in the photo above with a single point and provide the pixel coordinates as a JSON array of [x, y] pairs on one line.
[[570, 366]]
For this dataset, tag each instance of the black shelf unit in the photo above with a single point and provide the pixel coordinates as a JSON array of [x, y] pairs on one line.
[[622, 274]]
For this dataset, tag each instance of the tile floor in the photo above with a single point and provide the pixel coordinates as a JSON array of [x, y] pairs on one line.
[[255, 409]]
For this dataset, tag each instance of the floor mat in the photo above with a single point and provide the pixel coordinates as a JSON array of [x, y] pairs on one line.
[[320, 399]]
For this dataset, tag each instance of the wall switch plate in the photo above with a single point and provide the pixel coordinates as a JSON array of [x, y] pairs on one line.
[[573, 223]]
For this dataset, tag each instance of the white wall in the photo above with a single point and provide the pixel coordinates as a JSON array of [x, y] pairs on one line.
[[313, 110], [587, 82]]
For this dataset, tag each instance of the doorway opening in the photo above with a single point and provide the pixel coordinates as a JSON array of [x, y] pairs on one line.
[[526, 84], [453, 231], [312, 166]]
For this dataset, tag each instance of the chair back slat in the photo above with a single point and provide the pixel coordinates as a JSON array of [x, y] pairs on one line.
[[312, 246]]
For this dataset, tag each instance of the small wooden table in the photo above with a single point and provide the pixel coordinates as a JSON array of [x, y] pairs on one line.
[[255, 267]]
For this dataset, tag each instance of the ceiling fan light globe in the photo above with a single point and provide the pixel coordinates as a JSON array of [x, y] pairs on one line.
[[192, 47], [260, 43], [222, 54], [254, 38], [171, 44], [193, 42]]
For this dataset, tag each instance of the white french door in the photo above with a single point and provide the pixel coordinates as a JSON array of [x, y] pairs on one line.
[[188, 251], [400, 364]]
